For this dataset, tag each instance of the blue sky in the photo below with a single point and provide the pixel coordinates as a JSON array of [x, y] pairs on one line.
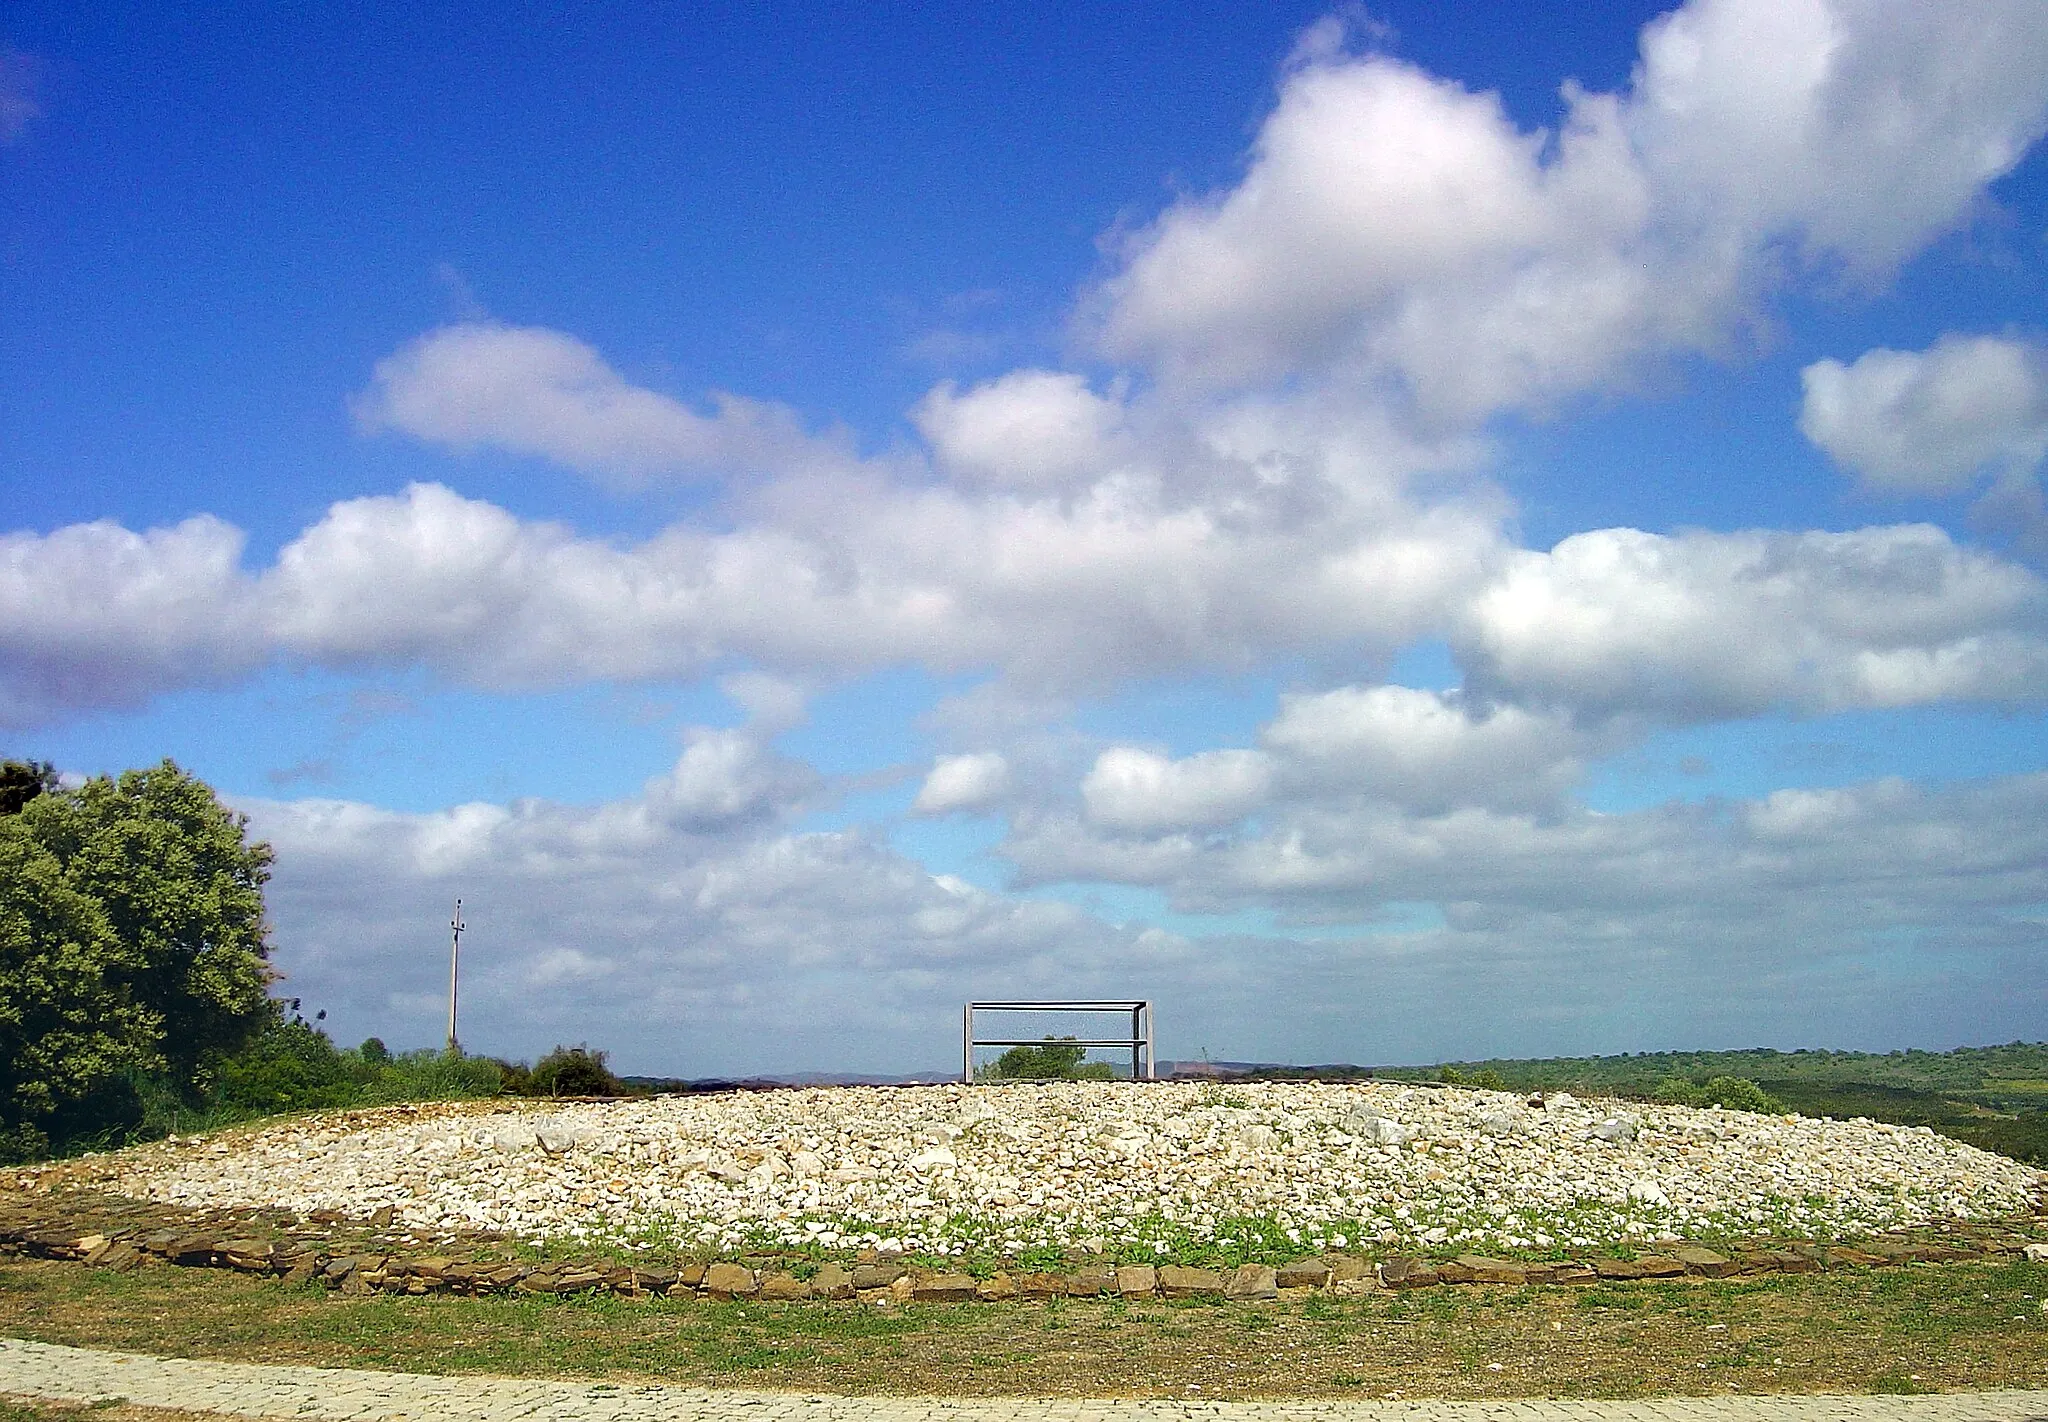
[[1396, 532]]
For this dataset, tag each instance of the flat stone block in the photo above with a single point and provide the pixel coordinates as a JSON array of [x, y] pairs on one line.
[[1698, 1259], [1485, 1270], [1252, 1281], [729, 1281], [832, 1281], [1303, 1274], [1086, 1283], [1177, 1281], [942, 1288], [784, 1285], [1405, 1273], [1137, 1280], [1345, 1268]]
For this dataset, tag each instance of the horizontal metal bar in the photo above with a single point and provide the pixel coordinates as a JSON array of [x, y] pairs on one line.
[[1059, 1006], [1059, 1042]]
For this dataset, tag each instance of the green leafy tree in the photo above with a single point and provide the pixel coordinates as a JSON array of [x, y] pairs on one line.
[[131, 919], [1057, 1059], [573, 1071], [71, 1029], [22, 780]]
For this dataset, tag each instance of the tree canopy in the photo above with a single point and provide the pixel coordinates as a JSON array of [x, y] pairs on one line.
[[1056, 1059], [132, 944]]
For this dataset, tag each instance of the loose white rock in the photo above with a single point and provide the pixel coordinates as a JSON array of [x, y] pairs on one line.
[[1091, 1163]]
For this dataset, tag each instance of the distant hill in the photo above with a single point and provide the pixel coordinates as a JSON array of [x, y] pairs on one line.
[[1993, 1097], [2018, 1070]]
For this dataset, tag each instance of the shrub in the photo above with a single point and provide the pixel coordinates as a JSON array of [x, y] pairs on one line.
[[573, 1071], [1736, 1093], [1678, 1091], [427, 1075], [1058, 1059], [290, 1066], [1732, 1093]]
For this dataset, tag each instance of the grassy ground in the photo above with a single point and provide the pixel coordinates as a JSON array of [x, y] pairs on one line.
[[22, 1409], [1958, 1326]]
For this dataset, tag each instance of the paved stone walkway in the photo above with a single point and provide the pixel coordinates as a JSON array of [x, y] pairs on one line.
[[44, 1370]]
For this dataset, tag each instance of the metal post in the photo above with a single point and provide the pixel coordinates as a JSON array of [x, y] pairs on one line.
[[1151, 1045], [1137, 1036], [967, 1044], [454, 963]]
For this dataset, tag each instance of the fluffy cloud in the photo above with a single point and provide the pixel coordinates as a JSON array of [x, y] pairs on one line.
[[1426, 750], [1695, 626], [1705, 626], [1116, 582], [1883, 857], [1031, 429], [94, 615], [1133, 789], [1392, 226], [534, 391], [963, 782], [1929, 422]]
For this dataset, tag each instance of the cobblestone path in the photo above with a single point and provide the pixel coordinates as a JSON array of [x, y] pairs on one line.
[[43, 1370]]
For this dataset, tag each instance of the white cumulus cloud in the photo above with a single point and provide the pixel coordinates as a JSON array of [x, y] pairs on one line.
[[1392, 226], [1704, 626], [1133, 789], [963, 782], [1030, 429], [1932, 421], [529, 390]]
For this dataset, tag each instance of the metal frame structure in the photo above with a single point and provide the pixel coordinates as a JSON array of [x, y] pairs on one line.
[[1140, 1040]]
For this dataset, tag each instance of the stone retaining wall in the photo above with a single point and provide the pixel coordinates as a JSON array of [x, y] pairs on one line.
[[47, 1230]]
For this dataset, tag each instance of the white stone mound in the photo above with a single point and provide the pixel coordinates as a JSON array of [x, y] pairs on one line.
[[1012, 1166]]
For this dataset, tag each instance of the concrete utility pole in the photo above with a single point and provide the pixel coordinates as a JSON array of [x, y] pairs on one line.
[[454, 962]]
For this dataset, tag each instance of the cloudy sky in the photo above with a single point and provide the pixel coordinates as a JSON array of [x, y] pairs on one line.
[[1396, 534]]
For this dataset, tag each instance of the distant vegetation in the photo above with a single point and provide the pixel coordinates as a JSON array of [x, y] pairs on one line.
[[1057, 1059], [1993, 1097], [566, 1071]]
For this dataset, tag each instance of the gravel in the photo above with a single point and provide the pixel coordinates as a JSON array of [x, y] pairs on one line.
[[1111, 1167]]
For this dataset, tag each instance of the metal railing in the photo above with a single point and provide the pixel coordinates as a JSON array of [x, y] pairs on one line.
[[1139, 1042]]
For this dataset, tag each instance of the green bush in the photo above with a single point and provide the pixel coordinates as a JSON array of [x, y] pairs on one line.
[[1058, 1059], [1732, 1093], [291, 1066], [1736, 1093], [1678, 1091], [571, 1071], [428, 1074]]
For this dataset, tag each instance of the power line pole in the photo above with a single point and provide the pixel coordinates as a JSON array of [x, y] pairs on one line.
[[454, 962]]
